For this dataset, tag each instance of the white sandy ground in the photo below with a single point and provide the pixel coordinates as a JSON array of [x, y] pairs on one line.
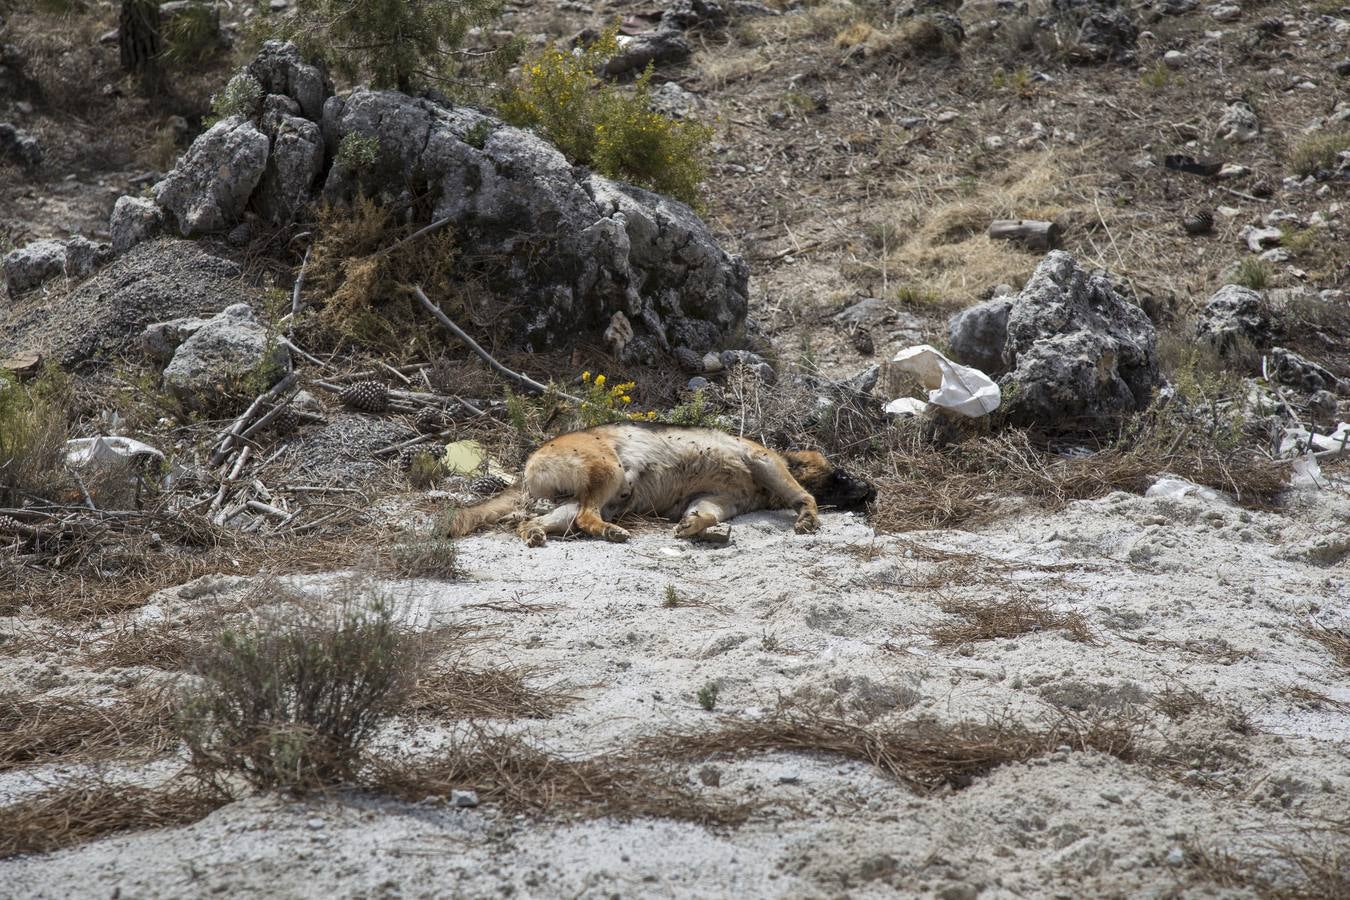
[[1182, 594]]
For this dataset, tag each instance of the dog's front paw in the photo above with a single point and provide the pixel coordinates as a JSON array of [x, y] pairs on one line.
[[534, 537], [807, 522], [614, 533], [688, 527]]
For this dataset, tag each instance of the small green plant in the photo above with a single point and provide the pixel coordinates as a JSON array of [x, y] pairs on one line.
[[358, 151], [1319, 152], [1157, 78], [599, 125], [242, 96], [707, 696], [1298, 241], [292, 700], [33, 431], [424, 470], [1018, 81], [670, 599], [478, 135], [695, 411], [1254, 272], [602, 404], [424, 556]]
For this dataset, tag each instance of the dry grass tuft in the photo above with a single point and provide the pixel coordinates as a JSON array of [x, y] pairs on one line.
[[74, 814], [1178, 703], [507, 771], [496, 693], [924, 754], [1335, 640], [987, 621], [163, 647], [1316, 867], [50, 729]]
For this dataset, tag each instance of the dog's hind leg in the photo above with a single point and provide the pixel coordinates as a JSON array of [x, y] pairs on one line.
[[705, 512], [604, 483], [771, 473], [534, 532]]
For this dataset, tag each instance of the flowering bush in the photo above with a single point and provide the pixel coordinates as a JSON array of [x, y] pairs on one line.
[[602, 404], [598, 125]]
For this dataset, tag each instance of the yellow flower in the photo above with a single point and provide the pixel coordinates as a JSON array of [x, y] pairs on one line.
[[627, 399], [599, 381], [586, 376]]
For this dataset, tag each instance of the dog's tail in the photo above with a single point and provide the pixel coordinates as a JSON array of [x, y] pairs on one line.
[[489, 512]]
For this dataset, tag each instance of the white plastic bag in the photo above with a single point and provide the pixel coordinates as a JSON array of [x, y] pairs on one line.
[[952, 386]]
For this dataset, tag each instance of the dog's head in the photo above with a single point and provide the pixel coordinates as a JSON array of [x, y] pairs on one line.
[[831, 486]]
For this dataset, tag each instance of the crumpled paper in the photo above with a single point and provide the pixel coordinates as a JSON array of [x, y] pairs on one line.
[[961, 389]]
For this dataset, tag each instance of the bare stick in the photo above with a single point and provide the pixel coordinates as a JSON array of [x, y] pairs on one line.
[[299, 283], [230, 436], [290, 344], [412, 442], [523, 380], [434, 226], [396, 373], [267, 510]]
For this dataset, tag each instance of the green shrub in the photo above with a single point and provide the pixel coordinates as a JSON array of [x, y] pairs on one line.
[[401, 44], [192, 35], [599, 125], [707, 696], [1254, 272], [1318, 152], [358, 151], [33, 432], [242, 96], [292, 700]]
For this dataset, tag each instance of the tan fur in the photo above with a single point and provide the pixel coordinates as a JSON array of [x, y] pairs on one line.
[[699, 475]]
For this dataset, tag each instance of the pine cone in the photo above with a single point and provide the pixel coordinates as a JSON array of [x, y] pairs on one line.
[[487, 485], [862, 342], [1199, 222], [1262, 188], [1271, 25], [366, 396], [429, 419], [9, 525], [285, 422]]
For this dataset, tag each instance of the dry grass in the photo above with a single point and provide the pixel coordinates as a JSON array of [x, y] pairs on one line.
[[1335, 640], [52, 729], [924, 486], [170, 649], [1016, 616], [1314, 867], [494, 693], [507, 771], [1178, 703], [1311, 699], [924, 754], [76, 813]]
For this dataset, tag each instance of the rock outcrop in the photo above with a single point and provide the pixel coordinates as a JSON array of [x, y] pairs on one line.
[[978, 334], [230, 346], [1233, 315]]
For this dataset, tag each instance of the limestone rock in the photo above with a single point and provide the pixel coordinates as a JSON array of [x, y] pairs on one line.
[[1232, 315], [978, 334], [209, 188], [29, 266], [134, 220], [228, 346], [1080, 355], [294, 162]]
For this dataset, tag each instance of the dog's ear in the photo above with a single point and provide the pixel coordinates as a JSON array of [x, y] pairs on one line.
[[809, 467]]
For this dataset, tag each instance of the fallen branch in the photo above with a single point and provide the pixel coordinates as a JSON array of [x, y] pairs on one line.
[[523, 380], [299, 282], [411, 442], [434, 226], [230, 436]]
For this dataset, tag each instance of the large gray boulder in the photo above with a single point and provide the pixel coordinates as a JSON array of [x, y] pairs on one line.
[[1233, 315], [1080, 355], [280, 70], [29, 266], [209, 188], [227, 348], [294, 162], [978, 334], [573, 248]]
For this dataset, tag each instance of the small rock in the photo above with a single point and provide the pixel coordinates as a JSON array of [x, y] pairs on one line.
[[1174, 59], [464, 799], [81, 257], [1233, 314], [228, 346], [712, 362], [1277, 255], [697, 383], [20, 146], [655, 48], [1226, 12], [711, 776], [315, 824], [134, 220], [1232, 170], [1343, 68], [1176, 856], [1257, 239], [716, 534], [674, 101], [977, 335], [1239, 123], [30, 266]]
